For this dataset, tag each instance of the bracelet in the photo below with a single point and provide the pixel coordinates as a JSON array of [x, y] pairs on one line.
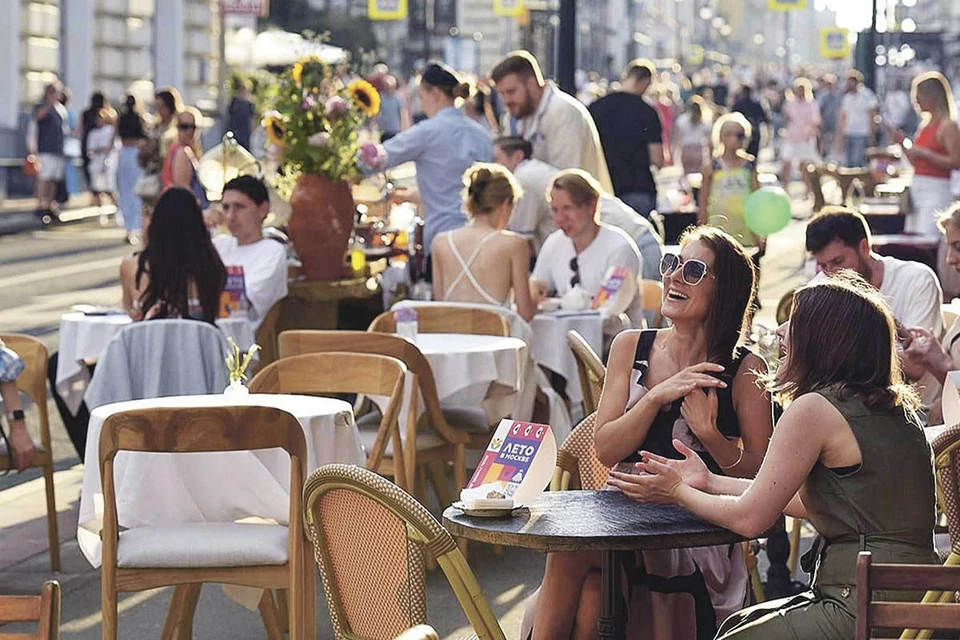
[[731, 466]]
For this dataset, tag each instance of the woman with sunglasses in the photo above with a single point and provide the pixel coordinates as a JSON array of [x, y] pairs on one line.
[[691, 382], [728, 178], [180, 165], [848, 454]]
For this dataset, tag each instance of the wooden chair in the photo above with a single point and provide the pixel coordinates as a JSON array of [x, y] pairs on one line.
[[652, 296], [436, 442], [254, 555], [44, 609], [371, 540], [438, 318], [267, 337], [590, 370], [579, 468], [942, 614], [33, 383], [419, 632], [340, 372]]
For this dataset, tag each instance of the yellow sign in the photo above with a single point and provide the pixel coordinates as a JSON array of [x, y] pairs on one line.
[[508, 8], [387, 9], [786, 5], [834, 43]]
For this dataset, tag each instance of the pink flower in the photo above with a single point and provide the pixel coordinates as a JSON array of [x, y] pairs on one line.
[[308, 104], [336, 108], [320, 139], [372, 155]]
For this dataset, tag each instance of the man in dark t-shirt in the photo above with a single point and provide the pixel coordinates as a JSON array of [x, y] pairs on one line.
[[755, 114], [240, 114], [632, 137]]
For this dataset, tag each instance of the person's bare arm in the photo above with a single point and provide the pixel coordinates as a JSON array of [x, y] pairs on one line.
[[21, 444], [704, 199], [182, 170], [128, 285], [520, 278], [656, 155], [949, 137]]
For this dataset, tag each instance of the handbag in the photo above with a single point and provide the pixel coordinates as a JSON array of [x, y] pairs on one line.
[[148, 186], [31, 166]]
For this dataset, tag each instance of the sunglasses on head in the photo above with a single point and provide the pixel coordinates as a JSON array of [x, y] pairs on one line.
[[575, 280], [692, 271], [186, 127]]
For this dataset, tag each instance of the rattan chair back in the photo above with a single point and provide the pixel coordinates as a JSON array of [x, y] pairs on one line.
[[590, 370]]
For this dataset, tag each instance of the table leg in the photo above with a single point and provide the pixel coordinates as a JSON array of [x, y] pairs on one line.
[[610, 622]]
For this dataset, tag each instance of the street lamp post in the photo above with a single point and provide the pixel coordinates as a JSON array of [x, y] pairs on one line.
[[567, 46], [870, 66]]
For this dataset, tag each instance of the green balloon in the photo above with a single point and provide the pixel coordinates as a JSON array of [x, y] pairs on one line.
[[767, 210]]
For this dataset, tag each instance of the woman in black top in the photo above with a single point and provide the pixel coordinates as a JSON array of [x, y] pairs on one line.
[[131, 132]]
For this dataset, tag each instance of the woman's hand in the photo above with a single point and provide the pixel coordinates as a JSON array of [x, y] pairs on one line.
[[660, 478], [22, 445], [212, 217], [682, 383], [924, 349], [699, 409]]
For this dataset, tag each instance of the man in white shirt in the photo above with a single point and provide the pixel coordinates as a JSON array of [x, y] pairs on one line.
[[583, 249], [263, 261], [532, 216], [558, 126], [858, 111]]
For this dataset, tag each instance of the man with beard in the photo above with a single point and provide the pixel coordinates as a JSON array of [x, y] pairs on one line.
[[839, 238], [560, 129]]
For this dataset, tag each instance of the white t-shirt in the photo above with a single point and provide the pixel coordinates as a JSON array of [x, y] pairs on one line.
[[688, 134], [913, 293], [856, 107], [264, 266], [611, 248], [532, 216]]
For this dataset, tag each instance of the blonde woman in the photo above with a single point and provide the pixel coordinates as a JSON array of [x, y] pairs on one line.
[[934, 154], [691, 134], [729, 177], [180, 164], [802, 127], [481, 262]]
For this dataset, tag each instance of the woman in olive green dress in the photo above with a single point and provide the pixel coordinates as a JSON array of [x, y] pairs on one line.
[[849, 455]]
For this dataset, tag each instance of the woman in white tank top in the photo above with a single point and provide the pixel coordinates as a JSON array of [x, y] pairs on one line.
[[481, 262]]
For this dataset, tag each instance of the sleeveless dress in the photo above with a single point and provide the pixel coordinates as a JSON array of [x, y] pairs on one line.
[[886, 506], [683, 593], [465, 272], [729, 188]]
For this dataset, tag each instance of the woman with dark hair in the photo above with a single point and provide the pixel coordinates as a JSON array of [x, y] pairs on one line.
[[179, 273], [442, 147], [88, 122], [691, 382], [130, 130], [849, 455]]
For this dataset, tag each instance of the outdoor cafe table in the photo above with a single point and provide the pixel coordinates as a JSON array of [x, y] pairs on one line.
[[169, 489], [84, 337], [549, 343], [604, 521]]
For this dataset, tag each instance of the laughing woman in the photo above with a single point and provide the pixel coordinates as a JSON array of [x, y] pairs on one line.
[[690, 382], [848, 454]]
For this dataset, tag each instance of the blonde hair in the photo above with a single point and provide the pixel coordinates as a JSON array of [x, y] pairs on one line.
[[722, 122], [934, 85], [951, 216], [487, 186], [791, 94], [582, 187], [197, 120]]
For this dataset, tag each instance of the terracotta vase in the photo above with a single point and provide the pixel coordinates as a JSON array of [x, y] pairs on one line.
[[320, 225]]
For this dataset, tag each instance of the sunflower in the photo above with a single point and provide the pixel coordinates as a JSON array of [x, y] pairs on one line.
[[365, 97], [276, 131]]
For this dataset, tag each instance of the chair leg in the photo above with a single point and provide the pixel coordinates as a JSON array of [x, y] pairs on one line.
[[108, 607], [270, 616], [280, 595], [53, 527], [438, 478], [183, 606], [174, 613], [303, 598]]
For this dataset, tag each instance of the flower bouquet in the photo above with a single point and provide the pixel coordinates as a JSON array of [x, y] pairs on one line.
[[237, 365]]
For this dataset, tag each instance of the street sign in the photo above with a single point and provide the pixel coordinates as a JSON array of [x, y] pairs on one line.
[[834, 43], [508, 8], [245, 7], [387, 9], [786, 5]]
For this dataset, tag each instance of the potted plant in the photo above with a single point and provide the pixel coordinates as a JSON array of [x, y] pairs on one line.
[[314, 127]]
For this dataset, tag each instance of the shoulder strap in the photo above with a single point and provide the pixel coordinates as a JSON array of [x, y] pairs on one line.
[[641, 356], [465, 271]]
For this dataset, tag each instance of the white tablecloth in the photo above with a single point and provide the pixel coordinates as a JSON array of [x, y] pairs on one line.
[[158, 489], [550, 348], [84, 338]]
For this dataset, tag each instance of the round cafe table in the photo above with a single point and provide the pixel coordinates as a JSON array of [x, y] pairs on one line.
[[550, 348], [604, 521]]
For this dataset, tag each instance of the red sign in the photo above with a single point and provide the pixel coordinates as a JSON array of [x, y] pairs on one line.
[[245, 7]]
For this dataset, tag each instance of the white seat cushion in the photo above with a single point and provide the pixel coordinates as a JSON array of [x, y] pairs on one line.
[[425, 440], [203, 544], [470, 420]]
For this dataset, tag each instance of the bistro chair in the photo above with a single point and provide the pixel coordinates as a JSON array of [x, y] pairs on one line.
[[419, 632], [32, 382], [436, 442], [438, 318], [371, 540], [346, 373], [43, 609], [267, 337], [266, 556], [652, 297], [938, 614], [590, 370]]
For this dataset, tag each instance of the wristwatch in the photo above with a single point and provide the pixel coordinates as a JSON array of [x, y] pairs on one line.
[[14, 416]]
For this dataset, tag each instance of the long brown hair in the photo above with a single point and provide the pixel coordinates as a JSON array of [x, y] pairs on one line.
[[842, 335], [736, 281]]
